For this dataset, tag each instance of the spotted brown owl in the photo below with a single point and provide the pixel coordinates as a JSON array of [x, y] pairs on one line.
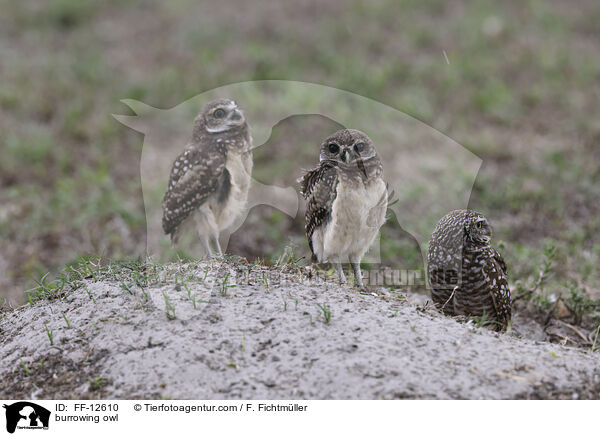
[[467, 275], [347, 201], [210, 179]]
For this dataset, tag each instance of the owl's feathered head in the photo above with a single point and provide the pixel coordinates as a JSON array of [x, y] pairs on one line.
[[352, 152], [220, 115], [463, 227], [477, 229], [347, 147]]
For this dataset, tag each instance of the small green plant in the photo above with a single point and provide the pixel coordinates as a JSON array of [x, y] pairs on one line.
[[233, 365], [96, 384], [225, 286], [545, 271], [145, 296], [481, 321], [595, 339], [126, 287], [169, 308], [326, 312], [579, 303], [187, 290], [67, 321], [265, 281], [484, 321], [90, 295], [288, 257], [25, 368], [46, 289], [50, 335]]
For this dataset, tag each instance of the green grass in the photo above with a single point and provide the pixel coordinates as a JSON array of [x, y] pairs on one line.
[[25, 368], [97, 383], [50, 334], [225, 286], [169, 308], [67, 322], [326, 312]]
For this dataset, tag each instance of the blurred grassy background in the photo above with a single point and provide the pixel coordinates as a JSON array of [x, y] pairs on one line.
[[520, 88]]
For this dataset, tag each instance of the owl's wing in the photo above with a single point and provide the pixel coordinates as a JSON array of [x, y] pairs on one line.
[[498, 258], [319, 187], [313, 177], [497, 280], [195, 176]]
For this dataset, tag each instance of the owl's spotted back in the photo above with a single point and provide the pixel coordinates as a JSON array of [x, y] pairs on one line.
[[467, 275]]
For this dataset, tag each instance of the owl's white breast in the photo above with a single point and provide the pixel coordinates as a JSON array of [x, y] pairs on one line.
[[239, 166], [356, 216]]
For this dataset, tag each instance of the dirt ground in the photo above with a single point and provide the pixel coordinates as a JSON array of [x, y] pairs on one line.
[[226, 330]]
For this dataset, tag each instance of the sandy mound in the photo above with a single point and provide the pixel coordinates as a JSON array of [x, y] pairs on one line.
[[226, 329]]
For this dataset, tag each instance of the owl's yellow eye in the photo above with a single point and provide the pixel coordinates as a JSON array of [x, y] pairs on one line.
[[219, 113], [334, 148], [479, 224]]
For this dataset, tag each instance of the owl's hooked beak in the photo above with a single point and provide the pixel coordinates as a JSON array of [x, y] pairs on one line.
[[236, 115], [348, 155]]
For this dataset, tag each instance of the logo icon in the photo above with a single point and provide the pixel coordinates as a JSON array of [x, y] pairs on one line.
[[26, 415]]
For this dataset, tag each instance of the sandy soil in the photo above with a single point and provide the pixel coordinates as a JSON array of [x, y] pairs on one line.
[[259, 333]]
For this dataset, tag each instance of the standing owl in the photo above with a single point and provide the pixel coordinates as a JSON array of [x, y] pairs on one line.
[[347, 201], [467, 275], [211, 178]]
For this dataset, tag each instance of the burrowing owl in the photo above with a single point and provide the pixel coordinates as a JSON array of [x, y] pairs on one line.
[[347, 201], [211, 178], [467, 275]]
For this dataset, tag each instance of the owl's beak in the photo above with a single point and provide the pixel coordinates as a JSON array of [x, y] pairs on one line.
[[348, 155], [236, 115], [345, 155]]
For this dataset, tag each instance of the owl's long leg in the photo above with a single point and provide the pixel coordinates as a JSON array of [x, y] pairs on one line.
[[340, 271], [215, 242], [205, 222], [358, 281], [206, 246]]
